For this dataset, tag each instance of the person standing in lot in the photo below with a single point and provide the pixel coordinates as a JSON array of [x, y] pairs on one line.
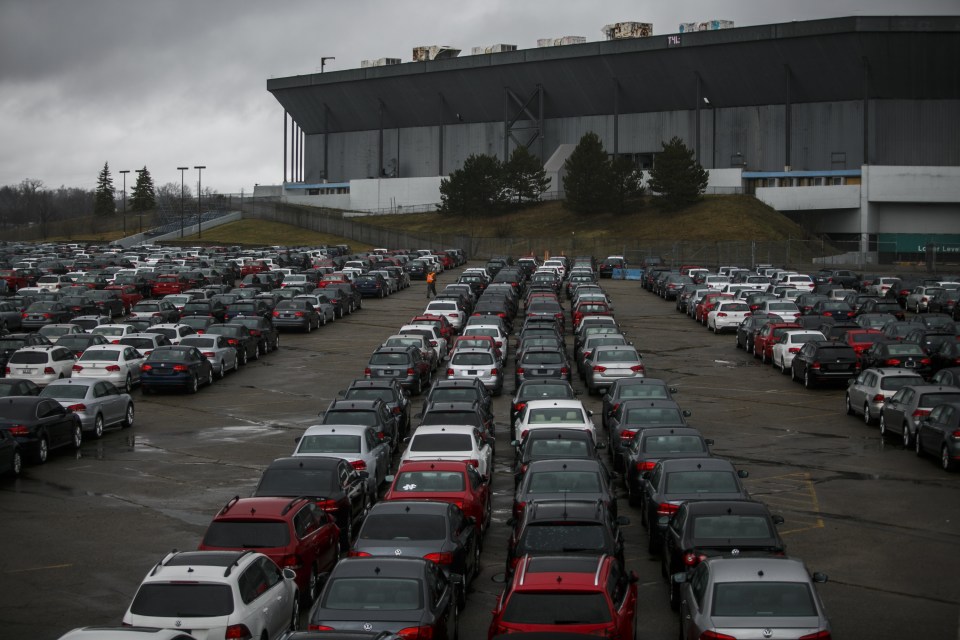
[[431, 283]]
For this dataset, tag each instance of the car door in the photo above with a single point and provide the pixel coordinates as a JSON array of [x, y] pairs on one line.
[[894, 407], [442, 595], [352, 489], [692, 604], [672, 540], [133, 361], [108, 402], [56, 421]]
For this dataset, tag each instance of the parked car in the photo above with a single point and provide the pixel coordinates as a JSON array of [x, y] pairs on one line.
[[97, 403], [18, 387], [175, 366], [869, 390], [650, 446], [119, 364], [365, 448], [217, 349], [41, 364], [240, 338], [902, 413], [39, 425], [824, 361], [450, 442], [408, 365], [573, 479]]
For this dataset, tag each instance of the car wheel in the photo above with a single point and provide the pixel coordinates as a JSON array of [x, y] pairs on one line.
[[674, 594], [917, 447], [221, 370], [323, 320], [295, 615], [98, 427], [313, 584], [807, 380], [456, 620], [77, 439], [210, 377], [867, 418], [763, 357], [883, 427], [946, 462], [419, 388], [849, 407], [128, 383], [256, 353], [16, 465], [242, 357], [346, 534], [128, 417], [43, 450], [918, 307], [907, 438], [193, 384], [309, 326]]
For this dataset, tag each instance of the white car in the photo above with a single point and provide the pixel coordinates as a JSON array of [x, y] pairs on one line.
[[727, 315], [450, 442], [881, 285], [357, 444], [124, 633], [552, 414], [450, 310], [41, 365], [789, 345], [496, 332], [787, 310], [113, 332], [217, 594], [145, 342], [431, 333], [118, 363], [174, 331], [217, 349], [799, 281]]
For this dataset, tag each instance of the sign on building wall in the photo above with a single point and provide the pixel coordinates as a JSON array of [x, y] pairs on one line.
[[917, 242]]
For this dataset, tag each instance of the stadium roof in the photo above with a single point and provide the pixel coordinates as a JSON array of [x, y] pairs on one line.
[[906, 57]]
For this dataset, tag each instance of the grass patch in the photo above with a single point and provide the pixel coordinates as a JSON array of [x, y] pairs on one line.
[[257, 233]]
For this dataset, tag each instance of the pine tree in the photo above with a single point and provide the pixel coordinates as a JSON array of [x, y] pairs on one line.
[[103, 200], [524, 177], [627, 184], [475, 189], [587, 179], [676, 178], [144, 192]]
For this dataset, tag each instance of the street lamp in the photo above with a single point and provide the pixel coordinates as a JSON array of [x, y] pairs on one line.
[[323, 61], [139, 213], [181, 170], [199, 169], [124, 172]]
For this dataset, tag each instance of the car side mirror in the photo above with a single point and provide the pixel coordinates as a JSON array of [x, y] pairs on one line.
[[709, 441], [589, 413], [389, 479], [678, 578], [687, 413], [674, 390], [297, 439], [289, 574], [820, 578], [778, 520], [743, 473], [634, 578], [511, 522], [600, 445], [341, 393]]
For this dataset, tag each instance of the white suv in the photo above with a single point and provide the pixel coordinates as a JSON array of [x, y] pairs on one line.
[[41, 365], [450, 442], [217, 594]]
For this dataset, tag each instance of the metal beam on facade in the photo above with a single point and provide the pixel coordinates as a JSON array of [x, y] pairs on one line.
[[380, 142], [285, 116], [788, 119], [523, 111]]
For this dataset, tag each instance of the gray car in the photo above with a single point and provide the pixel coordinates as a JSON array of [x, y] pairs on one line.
[[477, 363], [297, 314], [867, 392], [747, 597], [610, 363], [98, 403], [10, 316], [902, 413], [218, 350]]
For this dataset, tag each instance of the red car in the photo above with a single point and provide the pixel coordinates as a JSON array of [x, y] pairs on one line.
[[128, 293], [862, 339], [767, 336], [16, 278], [294, 533], [589, 595], [168, 284], [589, 308], [707, 304], [253, 266], [453, 481]]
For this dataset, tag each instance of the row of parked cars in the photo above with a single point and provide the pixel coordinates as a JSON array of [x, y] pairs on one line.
[[895, 348]]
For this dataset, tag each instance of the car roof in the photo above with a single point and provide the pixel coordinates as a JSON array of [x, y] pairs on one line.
[[571, 464], [728, 507], [349, 429], [696, 464], [124, 633], [411, 507], [560, 573], [305, 462], [216, 566], [670, 431], [443, 428], [753, 569], [555, 433], [380, 566], [565, 403], [575, 510], [258, 508], [352, 403], [433, 465]]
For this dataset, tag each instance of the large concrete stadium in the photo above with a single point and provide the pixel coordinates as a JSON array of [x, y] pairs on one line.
[[850, 125]]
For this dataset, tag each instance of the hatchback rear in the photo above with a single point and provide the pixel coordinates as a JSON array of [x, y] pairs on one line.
[[610, 363], [477, 363]]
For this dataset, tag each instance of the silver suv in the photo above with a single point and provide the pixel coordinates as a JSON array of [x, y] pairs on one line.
[[477, 363]]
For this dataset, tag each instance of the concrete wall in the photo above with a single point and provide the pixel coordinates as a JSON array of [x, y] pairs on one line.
[[330, 201], [913, 184], [394, 193], [810, 198]]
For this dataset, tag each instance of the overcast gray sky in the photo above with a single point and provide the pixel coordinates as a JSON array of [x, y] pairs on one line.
[[167, 83]]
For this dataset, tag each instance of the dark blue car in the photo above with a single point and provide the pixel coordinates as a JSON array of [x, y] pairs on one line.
[[175, 366], [371, 286]]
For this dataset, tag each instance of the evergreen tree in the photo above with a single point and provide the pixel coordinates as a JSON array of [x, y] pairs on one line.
[[587, 179], [144, 192], [103, 201], [676, 178], [524, 177], [627, 184], [477, 188]]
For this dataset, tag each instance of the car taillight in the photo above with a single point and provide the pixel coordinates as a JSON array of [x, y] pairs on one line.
[[713, 635], [327, 505], [586, 355], [396, 410], [439, 558], [320, 627], [209, 354], [357, 554], [693, 559], [298, 314], [146, 367], [473, 462], [276, 314], [367, 372], [721, 314], [75, 367], [359, 465], [794, 350], [564, 371], [449, 372], [819, 635], [416, 633], [815, 365], [646, 465], [667, 509], [637, 368], [48, 371], [523, 434], [291, 561], [920, 413], [237, 632], [955, 435], [433, 343], [18, 430], [520, 406], [113, 367], [924, 360], [181, 368], [628, 434], [599, 369]]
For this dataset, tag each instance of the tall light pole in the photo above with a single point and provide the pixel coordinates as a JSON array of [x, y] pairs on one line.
[[199, 169], [181, 170], [124, 172], [139, 213]]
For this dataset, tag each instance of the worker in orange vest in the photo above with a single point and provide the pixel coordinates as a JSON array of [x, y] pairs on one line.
[[431, 283]]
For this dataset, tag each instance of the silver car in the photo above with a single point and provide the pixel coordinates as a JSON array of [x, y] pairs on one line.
[[609, 363], [98, 403], [218, 350], [477, 363], [749, 597], [360, 445], [868, 391]]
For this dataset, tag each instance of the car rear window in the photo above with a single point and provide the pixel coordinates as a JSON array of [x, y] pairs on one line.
[[373, 594], [643, 391], [472, 359], [452, 417], [565, 448], [401, 526], [731, 526], [548, 415], [29, 357], [296, 482], [139, 343], [762, 599], [12, 343], [111, 331], [329, 443], [700, 482], [369, 394], [556, 608], [673, 444], [542, 357], [430, 481], [565, 481], [441, 442], [565, 537], [618, 355], [183, 600], [199, 343], [933, 399], [395, 359], [895, 383], [653, 415], [350, 417], [65, 391], [247, 534]]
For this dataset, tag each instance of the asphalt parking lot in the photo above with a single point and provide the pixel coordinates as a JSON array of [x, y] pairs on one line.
[[82, 531]]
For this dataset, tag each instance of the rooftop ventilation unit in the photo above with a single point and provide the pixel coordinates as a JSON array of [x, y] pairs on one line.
[[423, 54], [556, 42], [379, 62], [709, 25], [625, 30], [494, 48]]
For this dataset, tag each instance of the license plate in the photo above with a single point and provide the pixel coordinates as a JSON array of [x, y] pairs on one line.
[[471, 372], [28, 371], [388, 372], [910, 365]]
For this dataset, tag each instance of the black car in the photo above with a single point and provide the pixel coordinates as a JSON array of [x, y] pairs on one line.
[[946, 356], [631, 417], [945, 302], [337, 487], [652, 445], [824, 361], [705, 528], [175, 366], [935, 321], [386, 389], [538, 363], [949, 377], [41, 313], [437, 531], [409, 365], [575, 527], [373, 413], [880, 305], [537, 390], [388, 594], [902, 355], [937, 435], [249, 307], [208, 308], [39, 425], [18, 387], [634, 389], [262, 330], [565, 480], [354, 301], [844, 278], [79, 342], [750, 327], [469, 413], [553, 444], [675, 481], [11, 462], [239, 337]]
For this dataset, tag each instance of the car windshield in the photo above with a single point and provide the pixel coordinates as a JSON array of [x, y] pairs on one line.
[[564, 481], [700, 482], [729, 526], [565, 537], [296, 482], [29, 357], [441, 442], [65, 391], [561, 448], [329, 443], [555, 415], [247, 534], [400, 527], [373, 594], [762, 600], [673, 444], [430, 481], [183, 600], [552, 608]]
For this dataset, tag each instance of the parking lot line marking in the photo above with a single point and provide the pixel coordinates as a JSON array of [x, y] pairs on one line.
[[792, 491], [52, 566]]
